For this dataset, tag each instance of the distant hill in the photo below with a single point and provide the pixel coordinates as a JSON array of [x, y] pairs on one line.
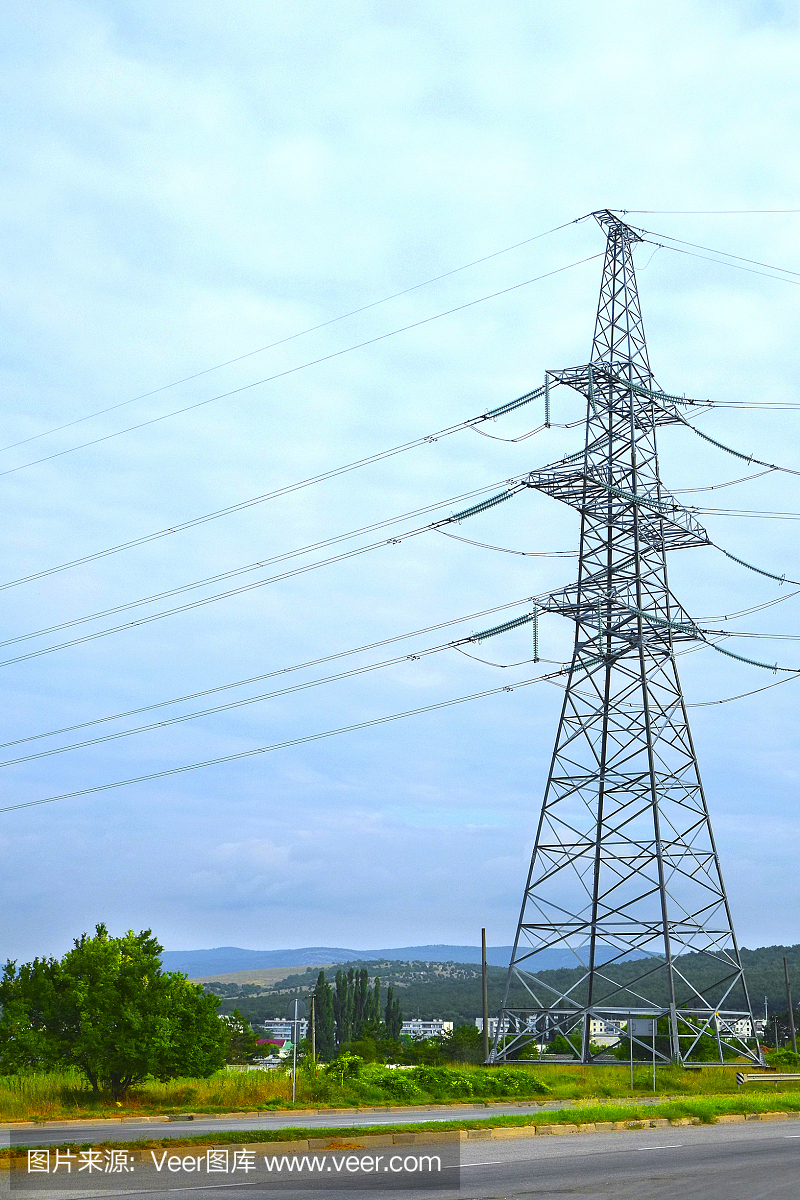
[[452, 990], [225, 960]]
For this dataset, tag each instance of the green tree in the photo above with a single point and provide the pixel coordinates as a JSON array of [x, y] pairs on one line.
[[25, 996], [393, 1016], [463, 1044], [108, 1008], [343, 997], [324, 1021], [242, 1039]]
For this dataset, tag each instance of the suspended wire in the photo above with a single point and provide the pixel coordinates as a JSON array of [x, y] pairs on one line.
[[711, 250], [522, 438], [287, 489], [753, 405], [244, 702], [292, 336], [488, 662], [300, 741], [255, 500], [301, 367], [714, 487], [237, 590], [761, 514], [355, 671], [742, 695], [722, 263], [468, 512], [650, 259], [223, 687], [749, 458], [531, 433], [593, 696], [261, 564], [746, 612], [696, 704], [502, 549], [702, 212], [770, 637]]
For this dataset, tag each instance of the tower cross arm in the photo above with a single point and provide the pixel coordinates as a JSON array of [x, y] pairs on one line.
[[582, 487]]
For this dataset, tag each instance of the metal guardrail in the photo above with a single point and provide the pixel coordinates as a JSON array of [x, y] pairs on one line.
[[771, 1076]]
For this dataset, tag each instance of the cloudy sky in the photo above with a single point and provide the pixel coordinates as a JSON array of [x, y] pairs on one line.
[[186, 184]]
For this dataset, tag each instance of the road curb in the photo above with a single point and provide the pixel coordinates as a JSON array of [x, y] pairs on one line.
[[369, 1141], [494, 1133], [534, 1106]]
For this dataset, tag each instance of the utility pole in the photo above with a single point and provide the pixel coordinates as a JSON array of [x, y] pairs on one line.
[[484, 997], [792, 1031], [313, 1029], [625, 872]]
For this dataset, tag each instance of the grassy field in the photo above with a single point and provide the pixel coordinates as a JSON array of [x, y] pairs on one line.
[[47, 1097]]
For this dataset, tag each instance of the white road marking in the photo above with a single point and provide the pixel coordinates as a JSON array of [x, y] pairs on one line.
[[671, 1146]]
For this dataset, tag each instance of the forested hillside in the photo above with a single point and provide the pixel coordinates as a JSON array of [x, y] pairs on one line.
[[452, 991]]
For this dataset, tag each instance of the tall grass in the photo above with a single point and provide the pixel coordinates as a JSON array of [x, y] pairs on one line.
[[25, 1097], [68, 1095]]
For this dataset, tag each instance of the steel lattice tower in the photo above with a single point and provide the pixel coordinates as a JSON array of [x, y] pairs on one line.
[[624, 862]]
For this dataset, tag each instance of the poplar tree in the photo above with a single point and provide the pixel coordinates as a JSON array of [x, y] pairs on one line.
[[343, 1006], [324, 1021], [393, 1017]]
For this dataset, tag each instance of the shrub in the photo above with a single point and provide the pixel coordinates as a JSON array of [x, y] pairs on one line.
[[346, 1067], [784, 1060]]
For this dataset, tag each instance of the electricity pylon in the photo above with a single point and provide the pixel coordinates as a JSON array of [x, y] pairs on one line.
[[624, 873]]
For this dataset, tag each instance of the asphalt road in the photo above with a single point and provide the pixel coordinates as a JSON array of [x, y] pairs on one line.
[[80, 1131], [752, 1161]]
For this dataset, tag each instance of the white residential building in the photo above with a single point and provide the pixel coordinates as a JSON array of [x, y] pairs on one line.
[[605, 1033], [417, 1028], [281, 1029], [492, 1023], [741, 1028]]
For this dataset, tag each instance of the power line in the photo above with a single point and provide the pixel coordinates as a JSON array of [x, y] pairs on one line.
[[766, 514], [253, 566], [285, 490], [314, 737], [754, 406], [368, 668], [769, 637], [365, 669], [721, 262], [503, 550], [146, 620], [302, 367], [291, 337], [703, 212], [223, 687], [748, 458], [715, 487], [531, 432], [742, 695], [711, 250], [746, 612]]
